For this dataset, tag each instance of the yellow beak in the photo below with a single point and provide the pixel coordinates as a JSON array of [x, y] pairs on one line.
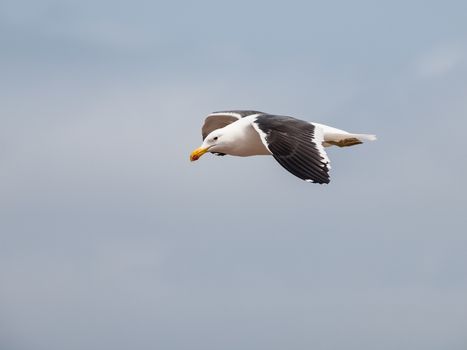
[[197, 153]]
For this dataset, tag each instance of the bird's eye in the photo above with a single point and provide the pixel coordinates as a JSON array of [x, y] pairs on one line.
[[215, 138]]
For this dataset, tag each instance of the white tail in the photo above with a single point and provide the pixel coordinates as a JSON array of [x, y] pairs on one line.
[[363, 137], [341, 138]]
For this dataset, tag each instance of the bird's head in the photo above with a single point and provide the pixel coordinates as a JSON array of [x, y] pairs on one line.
[[214, 142]]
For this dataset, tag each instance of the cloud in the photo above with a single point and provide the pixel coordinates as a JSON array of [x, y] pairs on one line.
[[439, 61]]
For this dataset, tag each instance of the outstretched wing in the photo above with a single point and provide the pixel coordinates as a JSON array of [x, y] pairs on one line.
[[217, 120], [296, 145]]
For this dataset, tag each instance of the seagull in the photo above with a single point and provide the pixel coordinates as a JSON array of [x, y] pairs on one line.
[[297, 145]]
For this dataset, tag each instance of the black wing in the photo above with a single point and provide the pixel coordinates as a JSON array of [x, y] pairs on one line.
[[296, 145], [217, 120]]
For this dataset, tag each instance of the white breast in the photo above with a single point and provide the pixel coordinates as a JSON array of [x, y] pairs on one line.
[[245, 140]]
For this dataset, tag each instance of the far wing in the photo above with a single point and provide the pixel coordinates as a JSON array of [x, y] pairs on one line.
[[214, 122], [218, 120]]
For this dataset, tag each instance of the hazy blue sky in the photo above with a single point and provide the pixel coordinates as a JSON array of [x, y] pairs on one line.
[[111, 239]]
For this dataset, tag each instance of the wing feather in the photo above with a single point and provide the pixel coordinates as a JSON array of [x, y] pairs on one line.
[[296, 145], [217, 120]]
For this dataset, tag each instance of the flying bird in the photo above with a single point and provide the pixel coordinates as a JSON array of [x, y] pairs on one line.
[[296, 144]]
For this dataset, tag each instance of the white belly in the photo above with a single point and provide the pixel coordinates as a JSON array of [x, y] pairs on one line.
[[249, 144]]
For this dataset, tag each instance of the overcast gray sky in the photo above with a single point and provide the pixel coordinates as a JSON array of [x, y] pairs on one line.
[[111, 239]]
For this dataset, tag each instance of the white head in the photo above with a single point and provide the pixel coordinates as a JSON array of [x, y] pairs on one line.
[[217, 141]]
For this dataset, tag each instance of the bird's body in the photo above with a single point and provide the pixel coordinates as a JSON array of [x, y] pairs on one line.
[[247, 140], [296, 144]]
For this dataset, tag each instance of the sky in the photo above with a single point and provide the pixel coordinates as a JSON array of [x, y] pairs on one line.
[[111, 239]]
